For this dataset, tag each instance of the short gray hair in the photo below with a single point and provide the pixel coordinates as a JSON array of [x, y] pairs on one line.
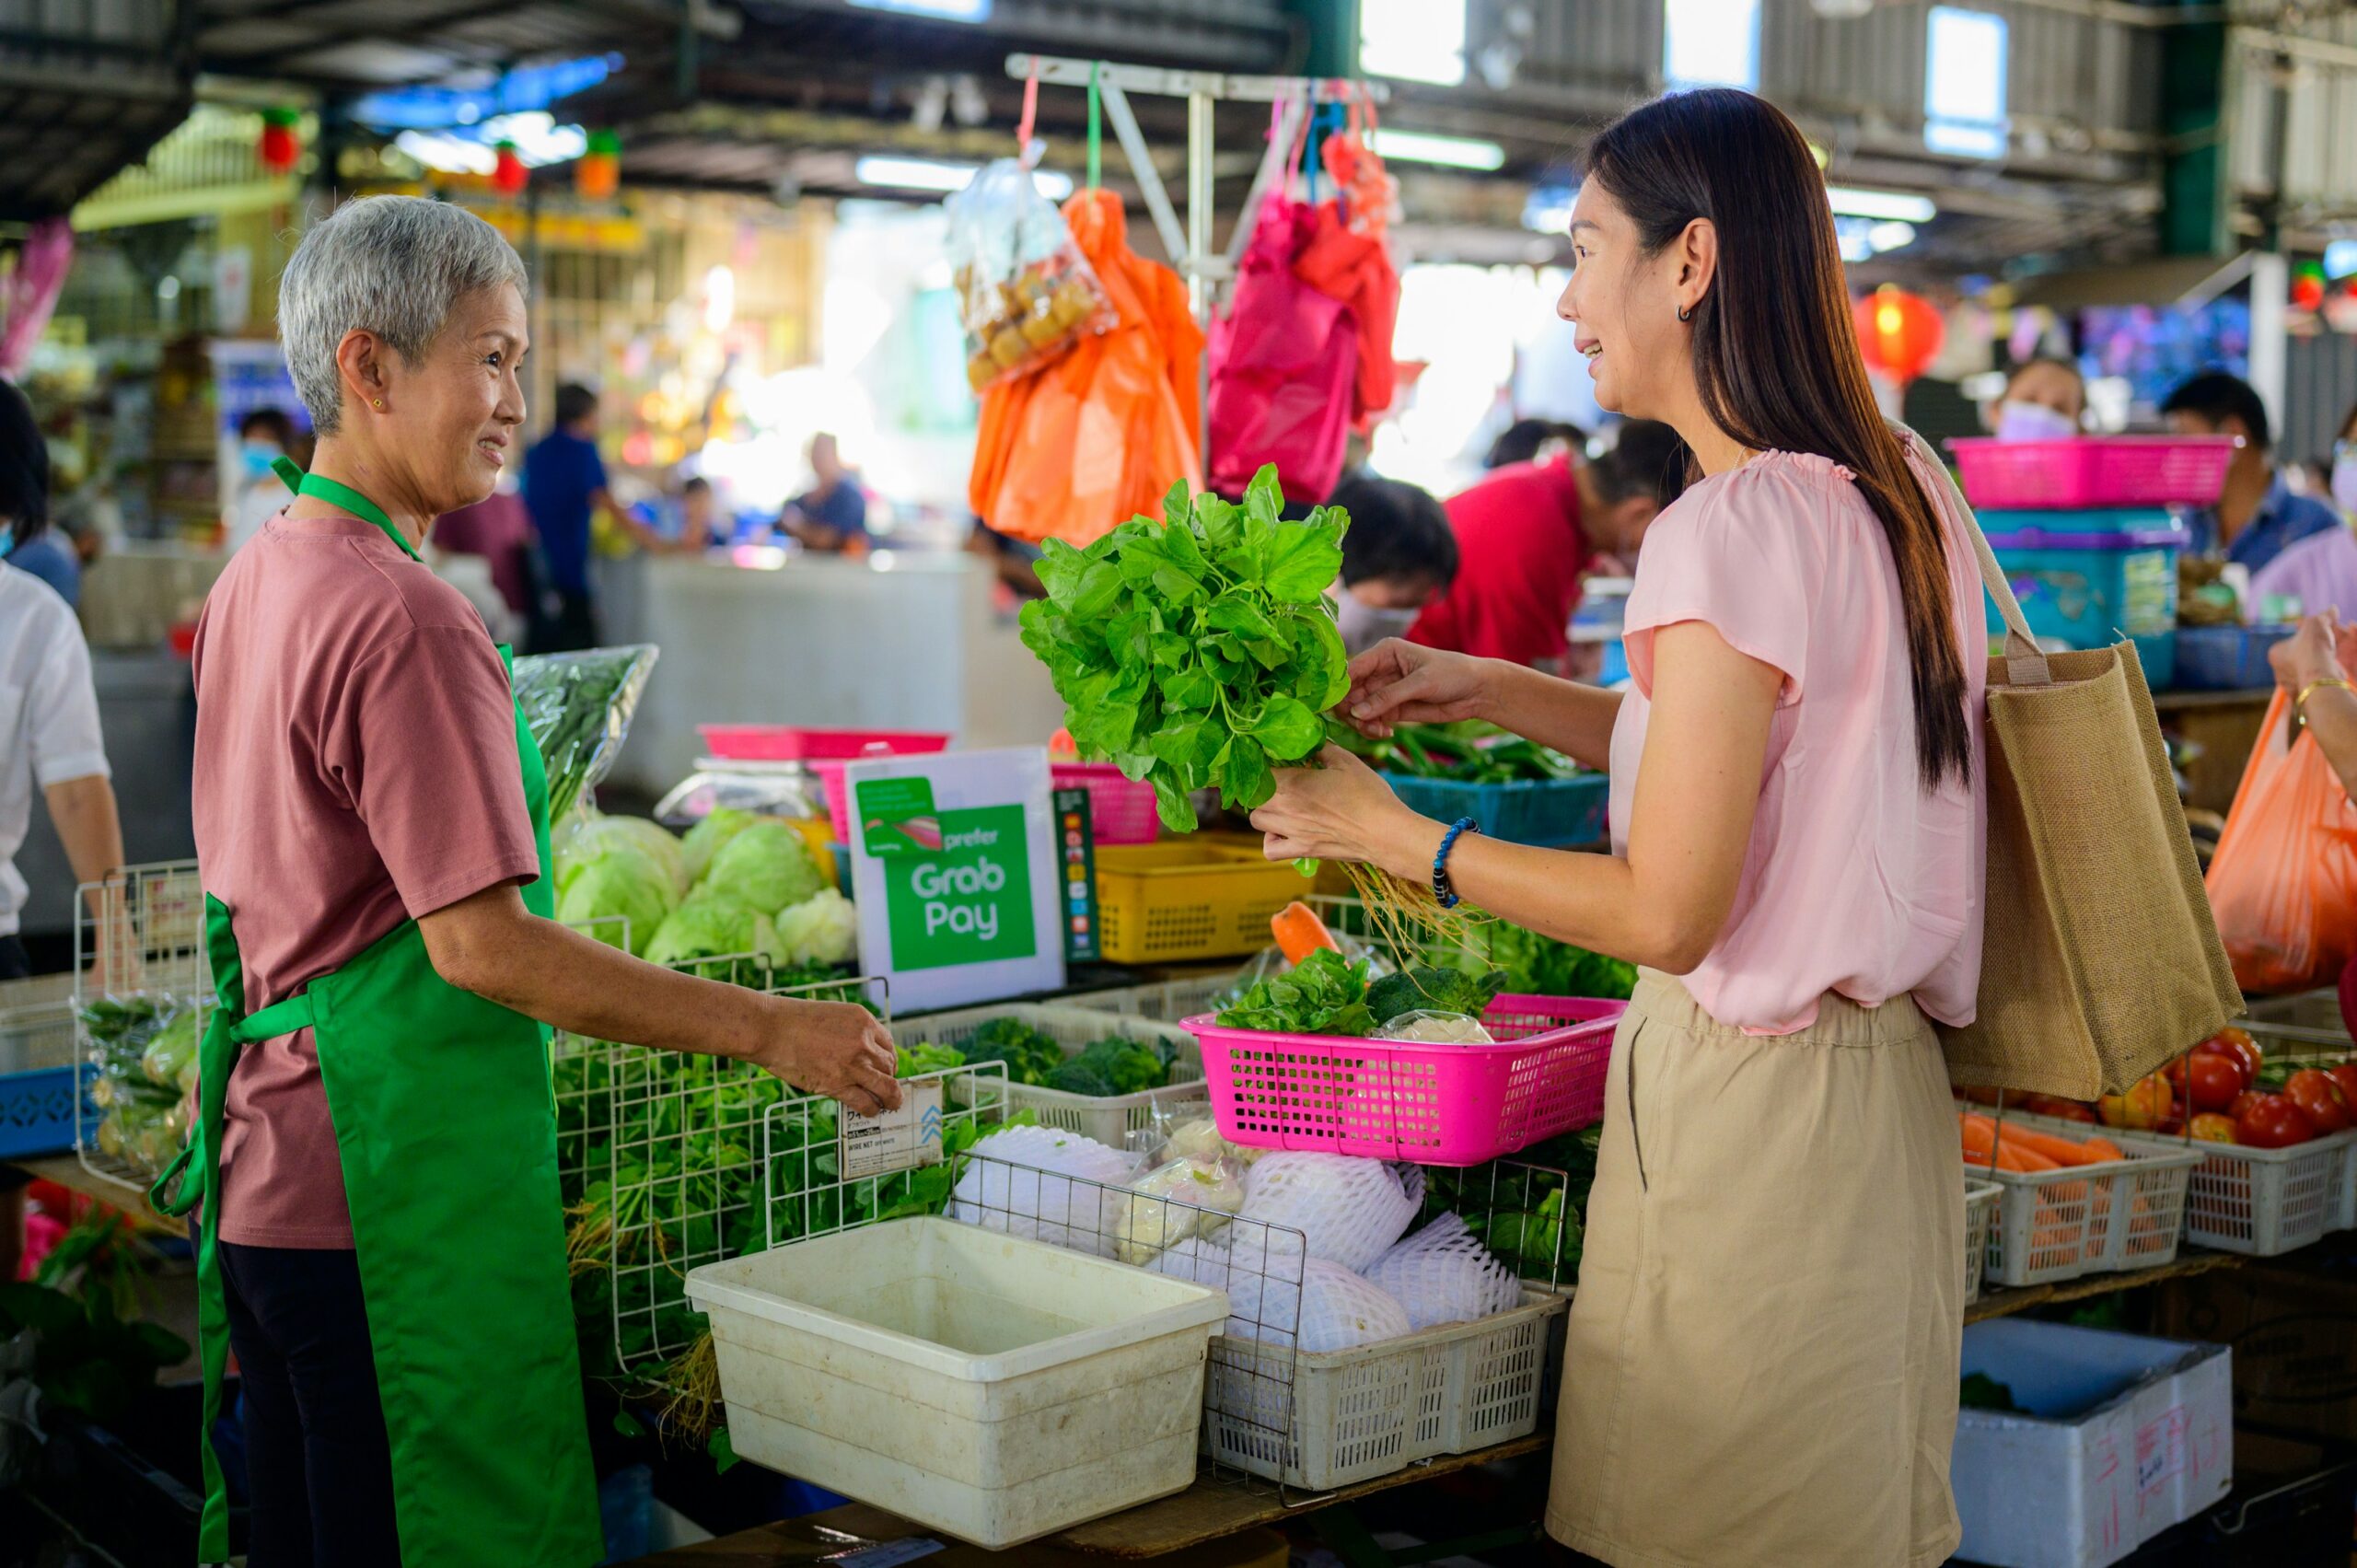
[[391, 265]]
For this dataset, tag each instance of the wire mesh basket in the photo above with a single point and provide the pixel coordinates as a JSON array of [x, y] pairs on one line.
[[1979, 1212], [40, 1082], [139, 968], [1111, 1119]]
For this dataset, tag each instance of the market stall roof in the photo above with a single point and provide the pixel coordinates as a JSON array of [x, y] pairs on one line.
[[332, 44], [81, 98]]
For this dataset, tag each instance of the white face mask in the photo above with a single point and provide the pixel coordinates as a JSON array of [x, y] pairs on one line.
[[1363, 626], [2344, 481], [2033, 422]]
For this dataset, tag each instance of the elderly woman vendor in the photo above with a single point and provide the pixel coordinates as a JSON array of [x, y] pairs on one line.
[[375, 1164]]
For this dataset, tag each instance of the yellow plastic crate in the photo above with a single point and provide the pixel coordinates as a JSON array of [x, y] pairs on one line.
[[1208, 896]]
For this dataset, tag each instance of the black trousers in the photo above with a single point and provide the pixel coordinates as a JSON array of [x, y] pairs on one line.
[[14, 964], [319, 1467]]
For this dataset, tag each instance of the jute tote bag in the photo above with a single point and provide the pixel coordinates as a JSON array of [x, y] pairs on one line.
[[2101, 960]]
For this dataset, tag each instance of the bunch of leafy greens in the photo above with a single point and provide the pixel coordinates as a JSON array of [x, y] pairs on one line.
[[1529, 1210], [1439, 989], [1199, 651], [1540, 966], [1323, 995], [1468, 750], [1029, 1055]]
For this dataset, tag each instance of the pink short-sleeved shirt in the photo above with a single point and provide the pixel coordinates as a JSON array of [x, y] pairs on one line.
[[356, 766], [1856, 881]]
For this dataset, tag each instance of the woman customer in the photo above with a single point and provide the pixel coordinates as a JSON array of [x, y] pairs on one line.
[[381, 1239], [2318, 573], [1763, 1352]]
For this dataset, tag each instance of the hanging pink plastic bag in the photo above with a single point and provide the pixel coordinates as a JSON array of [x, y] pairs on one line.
[[1348, 256], [1026, 294], [2284, 883], [1284, 361]]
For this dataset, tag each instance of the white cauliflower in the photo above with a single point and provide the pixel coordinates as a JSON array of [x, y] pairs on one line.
[[821, 929]]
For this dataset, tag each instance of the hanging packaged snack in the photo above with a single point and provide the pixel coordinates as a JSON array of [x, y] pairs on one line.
[[1026, 294]]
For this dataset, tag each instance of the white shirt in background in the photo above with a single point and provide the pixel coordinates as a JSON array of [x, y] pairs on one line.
[[49, 716]]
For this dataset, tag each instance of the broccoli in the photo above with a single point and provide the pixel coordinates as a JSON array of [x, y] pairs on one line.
[[1126, 1064], [1077, 1077], [1029, 1055]]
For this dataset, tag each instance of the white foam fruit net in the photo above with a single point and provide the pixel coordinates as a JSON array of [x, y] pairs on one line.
[[1350, 1210], [1048, 1197], [1443, 1274], [1267, 1297]]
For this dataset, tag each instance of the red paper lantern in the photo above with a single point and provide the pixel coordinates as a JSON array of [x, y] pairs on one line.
[[598, 173], [2308, 286], [508, 174], [1899, 332], [281, 147]]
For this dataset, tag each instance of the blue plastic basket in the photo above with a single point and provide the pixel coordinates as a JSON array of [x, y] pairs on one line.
[[1551, 813], [2226, 659], [37, 1112]]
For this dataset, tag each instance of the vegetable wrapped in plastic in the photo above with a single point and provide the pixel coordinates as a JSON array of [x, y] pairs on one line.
[[1025, 293], [578, 707]]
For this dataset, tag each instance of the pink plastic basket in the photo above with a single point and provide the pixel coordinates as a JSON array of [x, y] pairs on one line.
[[1120, 811], [790, 743], [1400, 1100], [2093, 472]]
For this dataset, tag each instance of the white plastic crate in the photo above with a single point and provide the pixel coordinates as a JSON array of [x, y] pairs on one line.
[[1109, 1118], [986, 1385], [1165, 1001], [2090, 1219], [2344, 1213], [2261, 1203], [1372, 1409], [1979, 1213]]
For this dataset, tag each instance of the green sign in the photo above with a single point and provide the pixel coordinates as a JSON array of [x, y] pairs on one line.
[[896, 816], [963, 899]]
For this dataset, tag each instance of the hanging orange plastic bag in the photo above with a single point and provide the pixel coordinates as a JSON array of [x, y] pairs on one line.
[[1347, 257], [1100, 435], [2284, 883]]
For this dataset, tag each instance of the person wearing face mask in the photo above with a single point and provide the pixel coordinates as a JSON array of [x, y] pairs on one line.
[[2318, 573], [2045, 399], [1526, 534], [264, 436], [2258, 512], [1396, 556]]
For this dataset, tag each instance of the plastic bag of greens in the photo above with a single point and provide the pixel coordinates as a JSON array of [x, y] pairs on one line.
[[144, 1051], [579, 708]]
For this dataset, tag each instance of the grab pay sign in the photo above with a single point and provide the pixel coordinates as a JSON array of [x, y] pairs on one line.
[[953, 868]]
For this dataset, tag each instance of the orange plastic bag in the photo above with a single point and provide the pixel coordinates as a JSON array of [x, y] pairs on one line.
[[2284, 883], [1100, 436]]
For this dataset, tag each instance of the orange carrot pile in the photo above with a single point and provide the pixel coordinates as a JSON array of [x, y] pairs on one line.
[[2012, 1146]]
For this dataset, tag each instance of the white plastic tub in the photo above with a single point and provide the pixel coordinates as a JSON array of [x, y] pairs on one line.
[[988, 1386]]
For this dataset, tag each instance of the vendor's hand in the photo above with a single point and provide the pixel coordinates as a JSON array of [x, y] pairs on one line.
[[1343, 811], [2310, 653], [836, 1049], [1398, 682]]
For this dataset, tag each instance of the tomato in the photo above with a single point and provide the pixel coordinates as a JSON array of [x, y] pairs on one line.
[[2346, 1076], [2318, 1095], [2171, 1126], [2275, 1122], [2242, 1102], [2212, 1081], [2142, 1106], [2246, 1061], [2212, 1128], [2071, 1111]]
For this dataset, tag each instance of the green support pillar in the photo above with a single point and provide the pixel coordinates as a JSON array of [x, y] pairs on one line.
[[1332, 27], [2197, 179]]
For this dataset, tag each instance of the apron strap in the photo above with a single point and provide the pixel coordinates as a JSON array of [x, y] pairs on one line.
[[296, 1012], [341, 495]]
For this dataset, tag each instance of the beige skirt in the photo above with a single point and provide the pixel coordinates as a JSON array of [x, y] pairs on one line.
[[1762, 1354]]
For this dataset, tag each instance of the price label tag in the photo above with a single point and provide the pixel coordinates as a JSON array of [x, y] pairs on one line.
[[896, 1141]]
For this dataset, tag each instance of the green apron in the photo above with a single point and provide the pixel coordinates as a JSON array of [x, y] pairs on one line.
[[446, 1122]]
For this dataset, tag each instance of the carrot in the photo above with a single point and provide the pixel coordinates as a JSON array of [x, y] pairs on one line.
[[1299, 932], [2062, 1151], [1984, 1145]]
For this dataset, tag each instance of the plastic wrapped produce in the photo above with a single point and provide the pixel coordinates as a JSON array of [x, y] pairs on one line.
[[1350, 1210], [1281, 1298], [578, 707], [1175, 1199], [145, 1052], [1025, 293], [1430, 1026], [1026, 1185], [1443, 1274]]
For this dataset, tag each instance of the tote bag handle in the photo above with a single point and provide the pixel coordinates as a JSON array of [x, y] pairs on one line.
[[2025, 661]]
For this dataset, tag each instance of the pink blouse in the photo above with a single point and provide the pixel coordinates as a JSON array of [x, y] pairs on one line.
[[1856, 881]]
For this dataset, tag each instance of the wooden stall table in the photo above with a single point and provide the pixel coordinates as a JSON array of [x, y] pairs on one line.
[[2225, 725], [2001, 1303]]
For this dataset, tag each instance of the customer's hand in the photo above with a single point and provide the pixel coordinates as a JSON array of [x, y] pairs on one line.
[[1396, 682], [1341, 809], [836, 1049], [2310, 653]]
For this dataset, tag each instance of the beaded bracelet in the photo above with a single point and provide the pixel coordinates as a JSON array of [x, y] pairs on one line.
[[1443, 888]]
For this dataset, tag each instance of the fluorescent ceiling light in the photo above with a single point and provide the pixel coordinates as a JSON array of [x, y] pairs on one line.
[[1452, 152], [1890, 235], [1415, 40], [1853, 203], [940, 10], [2340, 258], [537, 139], [926, 174]]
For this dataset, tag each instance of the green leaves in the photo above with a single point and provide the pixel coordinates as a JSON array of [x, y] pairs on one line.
[[1197, 652], [1323, 995]]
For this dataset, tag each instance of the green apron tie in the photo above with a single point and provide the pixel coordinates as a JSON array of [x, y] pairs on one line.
[[341, 495]]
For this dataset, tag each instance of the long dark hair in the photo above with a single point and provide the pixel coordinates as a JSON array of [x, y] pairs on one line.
[[1775, 355], [24, 470]]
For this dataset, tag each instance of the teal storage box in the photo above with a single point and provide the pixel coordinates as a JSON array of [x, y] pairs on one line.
[[2088, 587]]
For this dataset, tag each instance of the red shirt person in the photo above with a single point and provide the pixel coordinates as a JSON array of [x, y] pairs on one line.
[[1528, 532]]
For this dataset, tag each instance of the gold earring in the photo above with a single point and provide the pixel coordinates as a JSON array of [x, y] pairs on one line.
[[378, 403]]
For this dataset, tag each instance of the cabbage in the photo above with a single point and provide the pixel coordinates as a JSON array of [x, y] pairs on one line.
[[582, 844], [765, 867], [621, 879], [707, 837], [709, 926], [821, 929]]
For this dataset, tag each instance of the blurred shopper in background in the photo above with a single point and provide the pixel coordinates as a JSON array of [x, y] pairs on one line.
[[832, 514], [1397, 556], [2258, 512], [564, 488], [1527, 440], [2045, 399], [264, 436], [1526, 535], [2318, 573]]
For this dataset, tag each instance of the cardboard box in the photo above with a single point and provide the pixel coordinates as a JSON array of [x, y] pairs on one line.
[[2125, 1436], [2293, 1333]]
